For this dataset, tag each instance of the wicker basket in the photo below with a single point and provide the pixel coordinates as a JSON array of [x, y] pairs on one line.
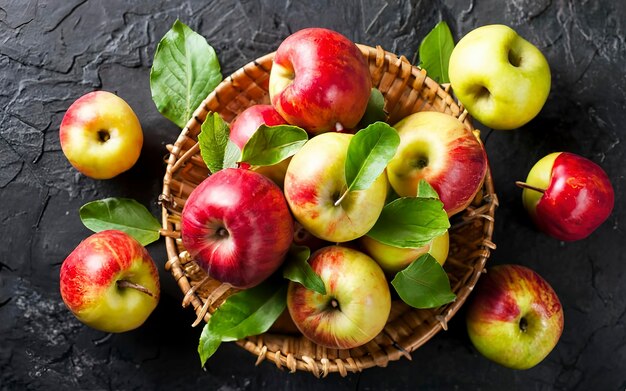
[[406, 89]]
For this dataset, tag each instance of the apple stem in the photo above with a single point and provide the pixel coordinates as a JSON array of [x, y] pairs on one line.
[[132, 285], [338, 202], [525, 185], [334, 303]]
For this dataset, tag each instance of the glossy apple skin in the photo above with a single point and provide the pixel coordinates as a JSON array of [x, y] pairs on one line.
[[88, 282], [578, 196], [244, 126], [236, 225], [319, 79], [440, 149], [394, 259], [314, 181], [502, 79], [100, 135], [502, 298], [361, 294]]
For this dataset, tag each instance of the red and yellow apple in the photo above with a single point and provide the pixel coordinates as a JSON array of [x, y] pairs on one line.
[[320, 81], [355, 307], [567, 196], [236, 225], [244, 126], [101, 135], [438, 148], [502, 79], [394, 259], [514, 317], [110, 282], [316, 180]]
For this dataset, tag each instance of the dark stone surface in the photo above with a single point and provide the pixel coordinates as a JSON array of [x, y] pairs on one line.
[[52, 52]]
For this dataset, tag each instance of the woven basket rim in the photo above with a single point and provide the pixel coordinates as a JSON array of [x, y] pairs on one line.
[[257, 345]]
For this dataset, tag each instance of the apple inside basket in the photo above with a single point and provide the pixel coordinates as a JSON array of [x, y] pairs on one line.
[[406, 90]]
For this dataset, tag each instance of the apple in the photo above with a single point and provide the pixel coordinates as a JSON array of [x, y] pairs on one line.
[[236, 225], [320, 81], [244, 126], [514, 316], [316, 180], [101, 135], [110, 282], [567, 196], [394, 259], [438, 148], [355, 307], [502, 79]]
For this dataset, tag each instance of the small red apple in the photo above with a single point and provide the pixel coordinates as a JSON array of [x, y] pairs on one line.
[[567, 196], [110, 282], [320, 81], [100, 135], [514, 317], [355, 307], [237, 226]]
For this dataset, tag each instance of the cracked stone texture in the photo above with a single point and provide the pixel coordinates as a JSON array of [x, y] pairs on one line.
[[52, 52]]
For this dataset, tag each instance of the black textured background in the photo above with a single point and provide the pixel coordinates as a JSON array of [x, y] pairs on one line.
[[52, 52]]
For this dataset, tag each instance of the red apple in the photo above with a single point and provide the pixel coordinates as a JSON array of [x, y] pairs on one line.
[[100, 135], [316, 179], [567, 196], [320, 81], [355, 307], [237, 226], [110, 282], [437, 147], [244, 126], [514, 317]]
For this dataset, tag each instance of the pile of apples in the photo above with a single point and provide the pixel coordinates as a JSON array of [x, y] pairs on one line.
[[239, 225]]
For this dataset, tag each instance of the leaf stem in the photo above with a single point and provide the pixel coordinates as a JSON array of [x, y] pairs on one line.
[[340, 199], [132, 285], [525, 185]]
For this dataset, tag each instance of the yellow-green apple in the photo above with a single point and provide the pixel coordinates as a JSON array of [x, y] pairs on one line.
[[438, 148], [315, 181], [110, 282], [355, 307], [514, 316], [244, 126], [394, 259], [236, 225], [502, 79], [567, 196], [320, 81], [101, 135]]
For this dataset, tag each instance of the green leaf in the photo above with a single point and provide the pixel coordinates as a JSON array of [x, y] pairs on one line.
[[410, 222], [272, 144], [424, 284], [425, 190], [216, 149], [249, 312], [184, 71], [123, 214], [369, 152], [375, 110], [435, 51], [299, 270]]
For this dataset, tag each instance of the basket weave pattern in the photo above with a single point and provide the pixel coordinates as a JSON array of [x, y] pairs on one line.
[[406, 89]]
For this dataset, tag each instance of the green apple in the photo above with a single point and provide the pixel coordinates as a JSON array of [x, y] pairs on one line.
[[355, 307], [502, 79], [393, 259], [438, 148], [100, 135], [316, 180]]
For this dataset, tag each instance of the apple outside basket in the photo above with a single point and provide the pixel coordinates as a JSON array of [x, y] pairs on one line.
[[406, 89]]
